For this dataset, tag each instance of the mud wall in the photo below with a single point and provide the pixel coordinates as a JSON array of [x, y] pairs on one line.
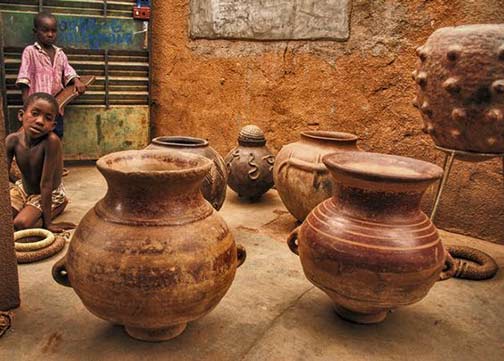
[[211, 88]]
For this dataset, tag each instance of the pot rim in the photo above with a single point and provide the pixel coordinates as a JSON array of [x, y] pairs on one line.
[[330, 135], [201, 167], [180, 141], [341, 163]]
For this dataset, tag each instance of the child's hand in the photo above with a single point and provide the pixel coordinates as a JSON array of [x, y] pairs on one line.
[[60, 227], [79, 86]]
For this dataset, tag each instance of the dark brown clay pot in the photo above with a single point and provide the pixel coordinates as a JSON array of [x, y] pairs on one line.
[[250, 165], [370, 247], [152, 255], [214, 185], [301, 179], [460, 77]]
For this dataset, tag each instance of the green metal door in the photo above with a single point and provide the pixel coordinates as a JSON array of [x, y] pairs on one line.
[[100, 38]]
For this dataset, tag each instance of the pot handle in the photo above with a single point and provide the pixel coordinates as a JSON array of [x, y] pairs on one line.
[[450, 267], [241, 254], [291, 241], [60, 274]]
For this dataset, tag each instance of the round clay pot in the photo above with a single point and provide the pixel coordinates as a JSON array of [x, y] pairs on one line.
[[460, 77], [214, 185], [152, 255], [370, 247], [250, 165], [301, 179]]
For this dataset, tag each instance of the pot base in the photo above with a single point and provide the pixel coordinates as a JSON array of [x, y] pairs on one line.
[[363, 318], [155, 334]]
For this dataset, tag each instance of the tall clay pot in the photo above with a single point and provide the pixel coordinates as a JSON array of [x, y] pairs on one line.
[[250, 164], [460, 77], [301, 179], [214, 185], [152, 255], [370, 247]]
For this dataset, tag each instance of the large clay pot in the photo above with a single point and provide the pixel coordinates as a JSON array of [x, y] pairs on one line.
[[153, 254], [460, 77], [250, 164], [301, 179], [214, 185], [370, 247]]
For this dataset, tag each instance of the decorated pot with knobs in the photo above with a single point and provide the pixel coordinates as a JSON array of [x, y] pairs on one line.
[[370, 248], [460, 77], [153, 254], [215, 182], [301, 179], [250, 164]]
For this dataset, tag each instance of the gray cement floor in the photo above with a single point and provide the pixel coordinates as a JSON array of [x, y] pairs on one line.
[[271, 311]]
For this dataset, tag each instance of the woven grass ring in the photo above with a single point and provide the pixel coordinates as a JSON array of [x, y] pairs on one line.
[[48, 239]]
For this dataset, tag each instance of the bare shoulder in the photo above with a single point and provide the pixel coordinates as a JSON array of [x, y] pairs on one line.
[[12, 140], [53, 142]]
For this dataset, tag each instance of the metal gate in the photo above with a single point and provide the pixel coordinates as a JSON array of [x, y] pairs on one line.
[[100, 38]]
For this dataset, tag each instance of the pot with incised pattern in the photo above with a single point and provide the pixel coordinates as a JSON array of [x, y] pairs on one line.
[[153, 254], [215, 182], [301, 179], [370, 248], [460, 78], [250, 164]]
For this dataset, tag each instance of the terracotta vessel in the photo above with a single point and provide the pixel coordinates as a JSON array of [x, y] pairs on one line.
[[370, 247], [153, 254], [214, 185], [460, 77], [250, 165], [301, 179]]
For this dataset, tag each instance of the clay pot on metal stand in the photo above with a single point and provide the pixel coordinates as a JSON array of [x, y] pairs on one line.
[[214, 185], [370, 248], [153, 254], [301, 179], [250, 165], [460, 77]]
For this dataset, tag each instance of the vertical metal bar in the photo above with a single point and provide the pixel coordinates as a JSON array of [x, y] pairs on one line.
[[448, 162], [105, 8], [107, 99], [149, 101], [40, 6]]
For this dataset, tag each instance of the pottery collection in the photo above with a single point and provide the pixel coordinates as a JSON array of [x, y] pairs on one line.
[[152, 255], [370, 248], [214, 184], [250, 164], [301, 179], [460, 77]]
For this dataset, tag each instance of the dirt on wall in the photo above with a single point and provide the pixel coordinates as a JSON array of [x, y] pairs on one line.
[[211, 88]]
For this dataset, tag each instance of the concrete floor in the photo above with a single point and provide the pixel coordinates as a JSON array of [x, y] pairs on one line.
[[270, 313]]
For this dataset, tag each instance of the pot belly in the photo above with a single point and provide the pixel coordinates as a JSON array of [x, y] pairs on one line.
[[151, 277]]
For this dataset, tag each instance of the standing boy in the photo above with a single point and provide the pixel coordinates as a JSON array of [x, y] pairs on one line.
[[44, 66], [39, 195]]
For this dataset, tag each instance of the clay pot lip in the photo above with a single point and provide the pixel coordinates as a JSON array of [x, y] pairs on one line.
[[330, 135], [181, 141], [200, 166], [423, 171]]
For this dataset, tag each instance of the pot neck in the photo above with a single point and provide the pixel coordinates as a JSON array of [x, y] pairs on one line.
[[153, 199], [378, 205]]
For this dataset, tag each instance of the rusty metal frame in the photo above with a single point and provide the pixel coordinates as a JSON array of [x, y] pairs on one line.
[[450, 156]]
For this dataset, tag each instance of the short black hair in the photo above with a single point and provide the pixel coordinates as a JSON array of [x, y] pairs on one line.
[[42, 15], [44, 96]]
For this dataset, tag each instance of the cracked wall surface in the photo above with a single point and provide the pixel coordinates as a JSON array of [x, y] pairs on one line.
[[270, 19], [212, 88]]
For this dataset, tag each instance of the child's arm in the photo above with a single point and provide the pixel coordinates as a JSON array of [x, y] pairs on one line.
[[70, 76], [25, 74], [10, 145], [53, 156]]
